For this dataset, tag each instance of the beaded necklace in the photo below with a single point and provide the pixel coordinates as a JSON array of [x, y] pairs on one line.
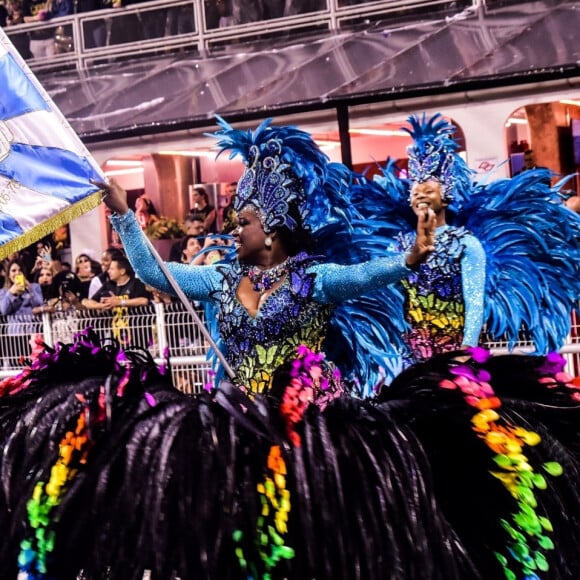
[[264, 280]]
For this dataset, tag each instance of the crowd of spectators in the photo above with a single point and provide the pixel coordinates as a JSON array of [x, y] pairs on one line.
[[148, 24], [40, 42], [221, 13], [35, 281]]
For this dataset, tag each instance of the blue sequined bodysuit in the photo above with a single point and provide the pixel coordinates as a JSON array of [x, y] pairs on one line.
[[444, 297], [287, 318], [296, 313]]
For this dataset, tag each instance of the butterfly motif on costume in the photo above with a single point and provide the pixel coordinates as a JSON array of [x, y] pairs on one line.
[[434, 305], [257, 345]]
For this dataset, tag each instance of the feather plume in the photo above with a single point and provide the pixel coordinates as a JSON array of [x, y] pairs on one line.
[[532, 243]]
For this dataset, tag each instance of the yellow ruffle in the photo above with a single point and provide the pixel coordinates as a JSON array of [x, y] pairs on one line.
[[48, 226]]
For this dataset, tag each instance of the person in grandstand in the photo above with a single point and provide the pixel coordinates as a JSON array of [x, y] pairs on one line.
[[123, 289]]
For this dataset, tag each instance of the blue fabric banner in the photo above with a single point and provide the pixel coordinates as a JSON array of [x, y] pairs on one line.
[[45, 170]]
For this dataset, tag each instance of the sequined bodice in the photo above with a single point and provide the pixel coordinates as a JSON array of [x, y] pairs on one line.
[[256, 345], [434, 302]]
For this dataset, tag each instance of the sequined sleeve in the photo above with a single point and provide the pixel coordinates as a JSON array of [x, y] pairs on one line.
[[336, 283], [473, 283], [196, 281]]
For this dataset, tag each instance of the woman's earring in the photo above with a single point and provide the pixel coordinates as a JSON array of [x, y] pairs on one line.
[[268, 242]]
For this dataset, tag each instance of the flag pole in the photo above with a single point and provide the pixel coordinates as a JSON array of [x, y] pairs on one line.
[[181, 295]]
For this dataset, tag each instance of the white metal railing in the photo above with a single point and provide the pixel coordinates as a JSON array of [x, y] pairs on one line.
[[165, 26], [166, 330], [160, 329]]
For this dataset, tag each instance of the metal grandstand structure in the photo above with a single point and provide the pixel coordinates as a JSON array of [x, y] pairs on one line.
[[165, 66], [187, 25]]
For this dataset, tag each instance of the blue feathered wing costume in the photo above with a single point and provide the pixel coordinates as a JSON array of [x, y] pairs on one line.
[[358, 340], [532, 243], [530, 238]]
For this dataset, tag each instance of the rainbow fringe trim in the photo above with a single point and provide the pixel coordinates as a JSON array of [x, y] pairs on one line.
[[529, 531], [311, 382], [72, 454]]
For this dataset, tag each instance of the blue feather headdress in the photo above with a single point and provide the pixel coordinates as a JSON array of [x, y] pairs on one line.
[[433, 156], [284, 168]]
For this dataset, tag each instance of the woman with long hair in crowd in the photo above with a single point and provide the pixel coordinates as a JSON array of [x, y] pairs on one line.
[[145, 211], [18, 300]]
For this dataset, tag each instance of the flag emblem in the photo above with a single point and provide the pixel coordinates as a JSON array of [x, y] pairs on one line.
[[45, 170]]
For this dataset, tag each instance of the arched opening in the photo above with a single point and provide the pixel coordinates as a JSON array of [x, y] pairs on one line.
[[551, 132]]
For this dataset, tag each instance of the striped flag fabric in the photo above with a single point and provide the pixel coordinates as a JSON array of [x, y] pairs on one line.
[[45, 170]]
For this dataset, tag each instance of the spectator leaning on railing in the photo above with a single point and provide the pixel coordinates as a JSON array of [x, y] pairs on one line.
[[42, 41], [106, 258], [121, 292]]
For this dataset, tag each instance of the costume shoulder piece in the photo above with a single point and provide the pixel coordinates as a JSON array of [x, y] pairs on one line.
[[532, 243]]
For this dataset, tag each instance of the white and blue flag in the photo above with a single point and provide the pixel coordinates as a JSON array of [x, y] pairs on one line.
[[45, 170]]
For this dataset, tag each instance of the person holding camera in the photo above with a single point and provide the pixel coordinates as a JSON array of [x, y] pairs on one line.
[[18, 298], [42, 256]]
